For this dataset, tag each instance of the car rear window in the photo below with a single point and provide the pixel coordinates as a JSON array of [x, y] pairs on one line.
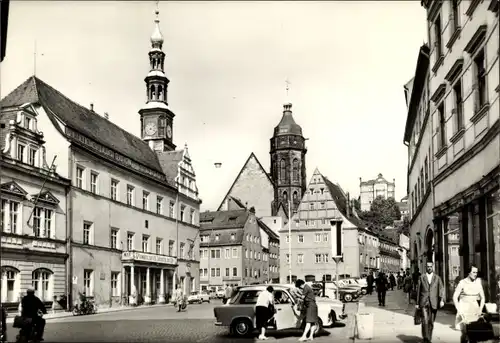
[[249, 297]]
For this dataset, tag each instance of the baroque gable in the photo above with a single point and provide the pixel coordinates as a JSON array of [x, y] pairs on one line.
[[45, 197], [253, 187], [12, 188]]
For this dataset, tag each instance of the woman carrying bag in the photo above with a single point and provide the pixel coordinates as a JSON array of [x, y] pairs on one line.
[[469, 301]]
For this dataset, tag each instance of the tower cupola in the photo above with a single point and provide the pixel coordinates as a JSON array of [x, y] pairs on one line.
[[156, 117]]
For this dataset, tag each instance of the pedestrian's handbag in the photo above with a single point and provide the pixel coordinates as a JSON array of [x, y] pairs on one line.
[[417, 317], [479, 331], [20, 322]]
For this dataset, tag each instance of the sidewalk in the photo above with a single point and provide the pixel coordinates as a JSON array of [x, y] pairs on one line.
[[62, 314], [394, 322]]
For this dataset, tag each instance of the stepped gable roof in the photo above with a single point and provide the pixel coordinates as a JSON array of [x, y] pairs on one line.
[[169, 162], [340, 200], [82, 120], [225, 224]]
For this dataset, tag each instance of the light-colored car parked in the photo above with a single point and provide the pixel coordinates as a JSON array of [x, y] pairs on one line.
[[198, 297], [239, 313]]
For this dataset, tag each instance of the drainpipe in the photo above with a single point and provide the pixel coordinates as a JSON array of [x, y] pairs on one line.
[[69, 234]]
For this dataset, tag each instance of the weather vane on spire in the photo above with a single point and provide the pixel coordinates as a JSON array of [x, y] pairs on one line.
[[157, 11], [288, 83]]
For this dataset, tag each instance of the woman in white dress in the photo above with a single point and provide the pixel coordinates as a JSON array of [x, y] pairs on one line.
[[469, 300]]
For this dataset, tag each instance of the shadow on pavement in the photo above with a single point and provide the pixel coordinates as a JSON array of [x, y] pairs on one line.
[[409, 339], [397, 301]]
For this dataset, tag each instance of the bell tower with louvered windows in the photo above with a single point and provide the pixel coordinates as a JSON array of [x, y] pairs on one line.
[[288, 162], [156, 117]]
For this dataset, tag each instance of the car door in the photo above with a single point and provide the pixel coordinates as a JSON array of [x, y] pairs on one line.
[[285, 316]]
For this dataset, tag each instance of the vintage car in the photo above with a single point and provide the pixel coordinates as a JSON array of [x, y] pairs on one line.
[[239, 313], [354, 284], [198, 297], [346, 293]]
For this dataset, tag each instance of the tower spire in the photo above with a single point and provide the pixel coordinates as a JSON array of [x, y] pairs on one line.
[[157, 37], [156, 117]]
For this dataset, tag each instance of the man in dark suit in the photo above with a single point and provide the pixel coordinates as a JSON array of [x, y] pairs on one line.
[[430, 295]]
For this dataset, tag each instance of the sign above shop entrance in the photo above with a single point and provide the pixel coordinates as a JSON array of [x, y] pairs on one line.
[[148, 257]]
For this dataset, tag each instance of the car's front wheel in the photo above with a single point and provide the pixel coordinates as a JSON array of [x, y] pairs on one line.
[[242, 327], [348, 297]]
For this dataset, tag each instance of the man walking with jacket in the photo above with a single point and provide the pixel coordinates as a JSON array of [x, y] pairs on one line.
[[430, 298]]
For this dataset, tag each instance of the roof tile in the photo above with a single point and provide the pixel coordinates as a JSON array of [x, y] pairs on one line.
[[83, 120]]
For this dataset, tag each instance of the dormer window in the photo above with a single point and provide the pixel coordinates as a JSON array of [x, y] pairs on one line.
[[233, 236], [32, 156], [217, 237], [27, 122], [20, 152]]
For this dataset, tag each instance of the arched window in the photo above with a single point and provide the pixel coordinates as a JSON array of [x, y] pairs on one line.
[[295, 170], [41, 281], [282, 170], [285, 196], [160, 93], [153, 92], [10, 284], [295, 197]]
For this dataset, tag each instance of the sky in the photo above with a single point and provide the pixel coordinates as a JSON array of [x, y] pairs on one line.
[[227, 62]]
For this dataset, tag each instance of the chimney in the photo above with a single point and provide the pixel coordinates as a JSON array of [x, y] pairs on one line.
[[348, 206], [106, 115], [92, 107]]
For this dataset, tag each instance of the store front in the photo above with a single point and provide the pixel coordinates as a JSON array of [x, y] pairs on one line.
[[149, 278], [467, 232]]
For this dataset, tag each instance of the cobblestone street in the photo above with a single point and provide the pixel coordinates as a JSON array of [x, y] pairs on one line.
[[160, 324]]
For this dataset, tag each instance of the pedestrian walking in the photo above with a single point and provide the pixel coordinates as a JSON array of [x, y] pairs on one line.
[[408, 285], [392, 281], [381, 284], [264, 310], [310, 309], [430, 298], [369, 280], [469, 300]]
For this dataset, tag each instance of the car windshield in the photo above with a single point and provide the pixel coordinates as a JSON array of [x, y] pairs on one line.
[[194, 293]]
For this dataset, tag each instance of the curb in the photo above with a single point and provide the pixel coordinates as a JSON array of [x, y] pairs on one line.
[[65, 314]]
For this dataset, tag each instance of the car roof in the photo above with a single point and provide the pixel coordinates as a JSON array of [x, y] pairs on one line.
[[263, 286]]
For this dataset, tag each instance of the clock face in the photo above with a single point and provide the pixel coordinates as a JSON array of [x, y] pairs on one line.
[[150, 129], [169, 131]]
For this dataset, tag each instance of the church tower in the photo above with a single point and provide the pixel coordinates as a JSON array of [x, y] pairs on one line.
[[288, 162], [156, 117]]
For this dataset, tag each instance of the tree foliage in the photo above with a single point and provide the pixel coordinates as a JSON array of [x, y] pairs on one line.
[[383, 212], [356, 204]]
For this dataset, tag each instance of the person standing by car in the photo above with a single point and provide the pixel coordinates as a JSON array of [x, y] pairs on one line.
[[310, 310], [264, 310], [227, 294]]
